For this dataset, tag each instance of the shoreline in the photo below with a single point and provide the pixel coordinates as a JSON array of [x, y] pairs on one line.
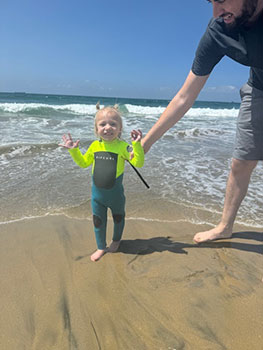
[[150, 209], [159, 291]]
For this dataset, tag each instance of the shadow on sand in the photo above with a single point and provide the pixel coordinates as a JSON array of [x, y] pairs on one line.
[[151, 245], [161, 244]]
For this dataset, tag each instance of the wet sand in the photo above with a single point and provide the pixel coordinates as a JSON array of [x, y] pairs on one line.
[[160, 291]]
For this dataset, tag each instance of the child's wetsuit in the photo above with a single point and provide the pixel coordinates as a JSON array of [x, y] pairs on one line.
[[108, 162]]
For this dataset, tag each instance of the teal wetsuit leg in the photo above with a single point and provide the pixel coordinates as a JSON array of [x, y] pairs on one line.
[[118, 214], [115, 200], [117, 206], [100, 222], [118, 229]]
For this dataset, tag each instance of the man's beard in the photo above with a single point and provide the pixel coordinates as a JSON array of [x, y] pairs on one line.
[[248, 11]]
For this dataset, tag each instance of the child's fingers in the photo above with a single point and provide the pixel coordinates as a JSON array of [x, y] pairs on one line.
[[64, 138], [63, 145], [136, 135], [139, 135]]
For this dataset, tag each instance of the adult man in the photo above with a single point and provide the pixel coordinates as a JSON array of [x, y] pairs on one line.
[[236, 31]]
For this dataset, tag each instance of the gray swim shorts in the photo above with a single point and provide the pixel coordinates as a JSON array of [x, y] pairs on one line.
[[249, 135]]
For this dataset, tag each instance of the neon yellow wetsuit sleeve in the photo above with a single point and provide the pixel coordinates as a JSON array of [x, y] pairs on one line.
[[82, 160], [138, 159]]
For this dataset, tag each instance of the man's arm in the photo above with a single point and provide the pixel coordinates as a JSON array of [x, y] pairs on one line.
[[176, 109]]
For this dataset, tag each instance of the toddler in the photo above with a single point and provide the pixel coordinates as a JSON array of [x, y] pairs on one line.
[[107, 156]]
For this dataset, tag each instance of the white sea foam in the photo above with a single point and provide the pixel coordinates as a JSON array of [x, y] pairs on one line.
[[144, 110], [78, 109], [83, 109], [202, 112], [195, 132], [193, 112]]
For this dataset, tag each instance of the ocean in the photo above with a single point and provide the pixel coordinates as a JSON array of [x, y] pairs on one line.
[[189, 166]]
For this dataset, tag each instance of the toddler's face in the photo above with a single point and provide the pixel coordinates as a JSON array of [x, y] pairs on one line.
[[108, 126]]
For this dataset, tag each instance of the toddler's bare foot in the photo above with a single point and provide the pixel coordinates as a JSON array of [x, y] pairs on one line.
[[97, 255], [113, 246], [213, 234]]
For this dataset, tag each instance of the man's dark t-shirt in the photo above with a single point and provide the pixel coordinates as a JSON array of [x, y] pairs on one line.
[[242, 45]]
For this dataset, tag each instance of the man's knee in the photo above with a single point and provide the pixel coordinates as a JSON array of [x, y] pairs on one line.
[[243, 166]]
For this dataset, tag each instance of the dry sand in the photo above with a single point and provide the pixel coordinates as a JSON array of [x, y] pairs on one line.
[[160, 291]]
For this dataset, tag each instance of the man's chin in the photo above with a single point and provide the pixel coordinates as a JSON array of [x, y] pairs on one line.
[[231, 26], [237, 24], [246, 18]]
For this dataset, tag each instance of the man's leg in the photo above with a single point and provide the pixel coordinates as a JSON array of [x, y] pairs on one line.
[[236, 190]]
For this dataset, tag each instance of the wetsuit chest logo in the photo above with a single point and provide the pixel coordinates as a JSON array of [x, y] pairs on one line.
[[105, 168]]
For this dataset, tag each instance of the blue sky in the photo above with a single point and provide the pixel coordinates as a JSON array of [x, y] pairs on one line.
[[135, 48]]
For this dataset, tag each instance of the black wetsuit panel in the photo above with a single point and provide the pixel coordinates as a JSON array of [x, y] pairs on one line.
[[105, 169]]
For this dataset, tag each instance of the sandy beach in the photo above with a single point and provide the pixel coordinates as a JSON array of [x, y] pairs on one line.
[[160, 291]]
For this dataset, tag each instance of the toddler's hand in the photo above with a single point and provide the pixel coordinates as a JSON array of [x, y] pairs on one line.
[[136, 135], [68, 142]]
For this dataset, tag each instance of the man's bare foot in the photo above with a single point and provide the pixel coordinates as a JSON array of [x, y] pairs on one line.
[[212, 235], [113, 246], [97, 255]]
